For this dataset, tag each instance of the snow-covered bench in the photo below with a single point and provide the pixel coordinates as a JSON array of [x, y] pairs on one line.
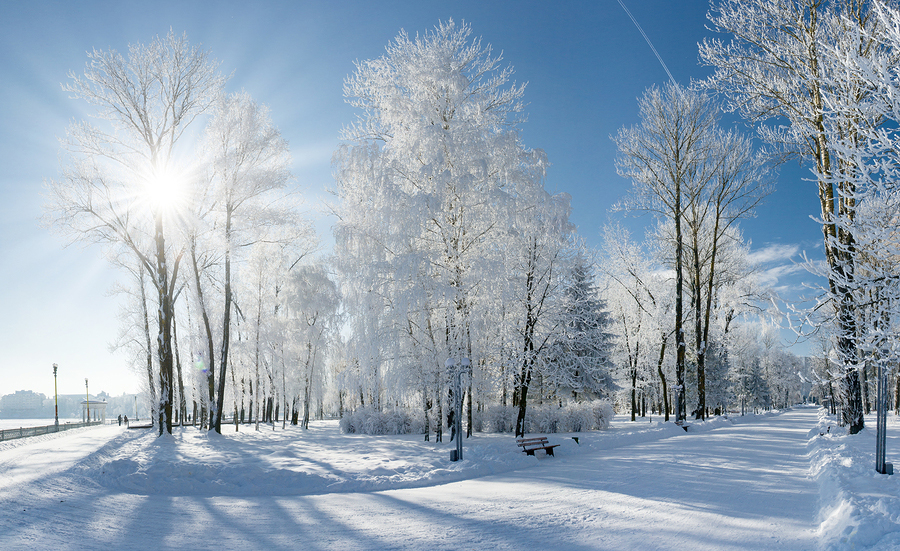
[[529, 445]]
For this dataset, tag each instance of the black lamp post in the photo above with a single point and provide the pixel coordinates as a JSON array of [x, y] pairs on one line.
[[55, 400], [87, 401]]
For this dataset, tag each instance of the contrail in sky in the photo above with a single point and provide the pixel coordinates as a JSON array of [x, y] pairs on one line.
[[661, 62]]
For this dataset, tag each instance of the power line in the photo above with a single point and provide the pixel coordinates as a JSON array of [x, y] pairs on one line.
[[636, 24]]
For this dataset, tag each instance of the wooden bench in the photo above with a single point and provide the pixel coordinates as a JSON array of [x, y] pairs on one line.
[[529, 445]]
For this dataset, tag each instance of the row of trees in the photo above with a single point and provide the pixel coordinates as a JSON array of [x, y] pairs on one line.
[[199, 216], [819, 77], [448, 246], [745, 364], [447, 242], [699, 180]]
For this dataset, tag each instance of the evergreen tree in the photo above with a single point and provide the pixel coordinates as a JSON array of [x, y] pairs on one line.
[[581, 363]]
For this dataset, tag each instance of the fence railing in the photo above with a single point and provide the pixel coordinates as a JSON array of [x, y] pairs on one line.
[[23, 432]]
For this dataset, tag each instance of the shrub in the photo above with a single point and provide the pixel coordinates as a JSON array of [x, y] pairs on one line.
[[498, 419], [578, 417], [369, 421]]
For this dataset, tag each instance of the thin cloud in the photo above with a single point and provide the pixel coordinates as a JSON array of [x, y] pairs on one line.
[[771, 276], [774, 253]]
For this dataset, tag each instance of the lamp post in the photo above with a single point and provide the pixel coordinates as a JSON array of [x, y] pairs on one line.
[[881, 466], [55, 400], [883, 389], [464, 368], [87, 401]]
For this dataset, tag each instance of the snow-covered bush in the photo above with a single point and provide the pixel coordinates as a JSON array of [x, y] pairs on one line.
[[368, 421], [578, 417], [498, 419]]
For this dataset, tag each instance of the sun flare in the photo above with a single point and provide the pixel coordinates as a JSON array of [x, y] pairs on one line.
[[165, 189]]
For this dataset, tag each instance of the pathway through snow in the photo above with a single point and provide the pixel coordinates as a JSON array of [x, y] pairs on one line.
[[738, 486]]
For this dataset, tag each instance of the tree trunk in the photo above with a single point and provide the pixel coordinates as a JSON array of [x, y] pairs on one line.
[[151, 378], [662, 376], [522, 394], [633, 392], [680, 406], [864, 383], [306, 400], [209, 364], [182, 400], [164, 337], [226, 318], [426, 406], [469, 411], [439, 430]]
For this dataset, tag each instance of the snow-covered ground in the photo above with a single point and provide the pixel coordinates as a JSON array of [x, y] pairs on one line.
[[744, 483], [860, 508]]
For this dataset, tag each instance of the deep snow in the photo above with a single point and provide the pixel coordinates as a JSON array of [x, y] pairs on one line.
[[860, 509], [739, 483]]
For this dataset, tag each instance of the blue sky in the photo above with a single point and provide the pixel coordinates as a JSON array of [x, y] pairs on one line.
[[584, 61]]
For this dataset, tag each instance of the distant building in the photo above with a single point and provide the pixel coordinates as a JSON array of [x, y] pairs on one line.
[[24, 404]]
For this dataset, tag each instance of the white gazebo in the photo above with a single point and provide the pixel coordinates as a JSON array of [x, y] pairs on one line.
[[97, 410]]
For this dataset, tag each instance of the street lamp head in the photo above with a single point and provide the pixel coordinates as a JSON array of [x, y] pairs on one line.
[[54, 369]]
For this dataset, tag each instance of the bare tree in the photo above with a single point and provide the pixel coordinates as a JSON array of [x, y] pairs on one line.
[[773, 69], [667, 156], [740, 180], [249, 162], [119, 186]]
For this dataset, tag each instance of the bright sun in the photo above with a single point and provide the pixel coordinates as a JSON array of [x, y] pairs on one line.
[[165, 189]]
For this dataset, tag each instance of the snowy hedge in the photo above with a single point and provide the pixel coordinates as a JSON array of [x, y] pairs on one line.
[[369, 421], [547, 418], [544, 418]]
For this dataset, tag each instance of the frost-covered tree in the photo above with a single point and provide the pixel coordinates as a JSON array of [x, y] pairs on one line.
[[869, 168], [774, 70], [667, 158], [539, 257], [740, 179], [429, 179], [122, 181], [639, 296], [151, 181], [762, 373], [581, 355], [248, 170], [312, 303], [699, 180]]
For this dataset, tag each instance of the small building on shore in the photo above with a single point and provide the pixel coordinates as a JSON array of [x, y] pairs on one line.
[[93, 411]]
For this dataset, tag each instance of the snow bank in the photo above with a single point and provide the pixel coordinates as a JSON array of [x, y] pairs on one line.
[[859, 508], [325, 460], [296, 462]]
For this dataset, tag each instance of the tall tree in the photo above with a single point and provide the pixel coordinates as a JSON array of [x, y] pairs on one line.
[[249, 163], [121, 184], [540, 256], [424, 181], [641, 300], [772, 70], [667, 157], [740, 179]]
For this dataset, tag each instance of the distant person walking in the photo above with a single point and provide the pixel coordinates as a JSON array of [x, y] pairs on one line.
[[126, 421], [120, 419]]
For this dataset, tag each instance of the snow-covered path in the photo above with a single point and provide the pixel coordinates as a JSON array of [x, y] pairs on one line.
[[742, 486]]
